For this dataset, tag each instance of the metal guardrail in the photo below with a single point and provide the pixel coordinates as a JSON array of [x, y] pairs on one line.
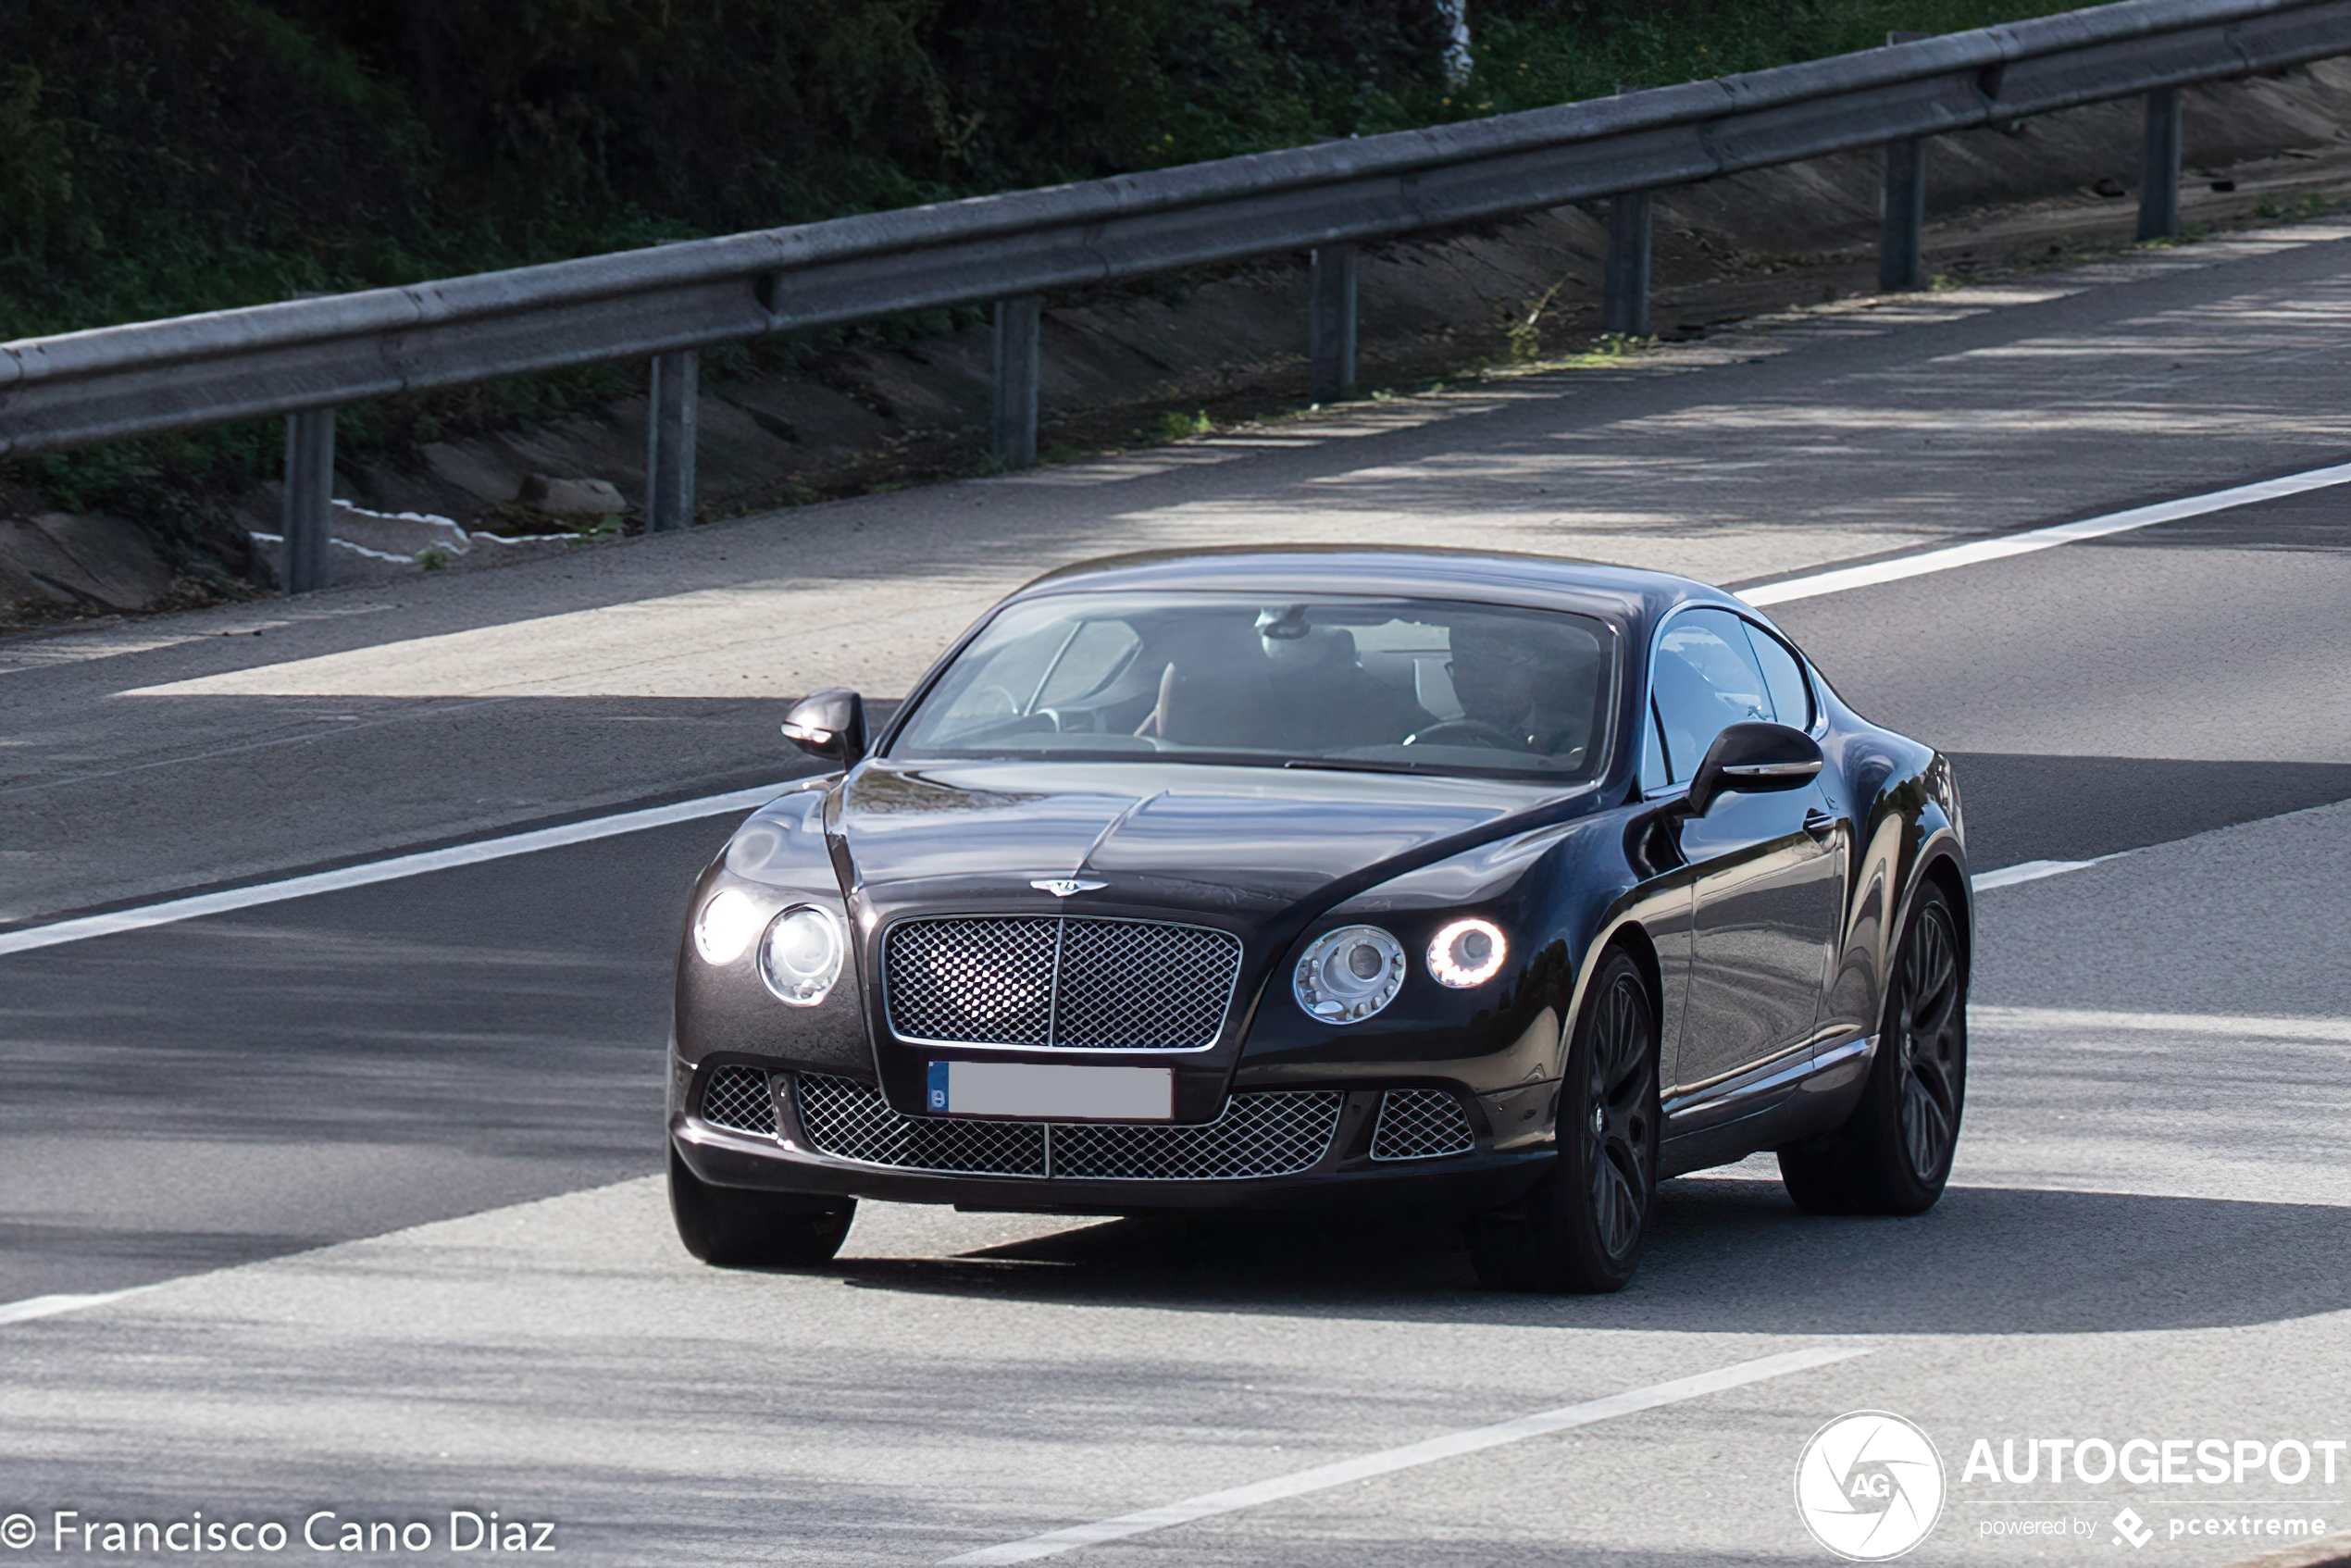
[[303, 357]]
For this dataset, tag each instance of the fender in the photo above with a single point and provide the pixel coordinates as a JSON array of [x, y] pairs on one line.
[[1934, 842], [1659, 915]]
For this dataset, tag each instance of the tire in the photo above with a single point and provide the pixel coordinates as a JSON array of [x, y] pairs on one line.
[[1893, 1156], [736, 1227], [1581, 1231]]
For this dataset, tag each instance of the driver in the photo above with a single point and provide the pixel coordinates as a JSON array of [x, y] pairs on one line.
[[1511, 675]]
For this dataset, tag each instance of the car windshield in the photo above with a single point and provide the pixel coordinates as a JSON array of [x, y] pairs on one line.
[[1412, 684]]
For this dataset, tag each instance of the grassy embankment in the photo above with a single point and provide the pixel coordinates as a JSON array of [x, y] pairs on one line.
[[160, 159]]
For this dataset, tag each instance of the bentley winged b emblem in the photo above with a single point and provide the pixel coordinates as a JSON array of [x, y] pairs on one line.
[[1061, 886]]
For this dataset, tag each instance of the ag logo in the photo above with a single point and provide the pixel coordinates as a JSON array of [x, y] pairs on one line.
[[1870, 1486]]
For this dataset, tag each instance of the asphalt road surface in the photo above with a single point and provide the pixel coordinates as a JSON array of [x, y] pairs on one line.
[[383, 1153]]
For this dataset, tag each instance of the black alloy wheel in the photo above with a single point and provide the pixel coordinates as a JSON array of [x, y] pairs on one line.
[[737, 1228], [1893, 1155], [1581, 1228], [1620, 1130], [1927, 1012]]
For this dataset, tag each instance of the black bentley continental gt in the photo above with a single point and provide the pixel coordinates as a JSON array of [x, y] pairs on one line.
[[1501, 884]]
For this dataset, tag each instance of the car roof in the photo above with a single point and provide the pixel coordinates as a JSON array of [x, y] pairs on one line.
[[1414, 572]]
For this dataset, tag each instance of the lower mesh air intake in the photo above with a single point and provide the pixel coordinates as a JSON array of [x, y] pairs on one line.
[[737, 1098], [1421, 1123], [1278, 1132]]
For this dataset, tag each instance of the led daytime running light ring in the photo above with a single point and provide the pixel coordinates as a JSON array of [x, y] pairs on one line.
[[1451, 966], [726, 927]]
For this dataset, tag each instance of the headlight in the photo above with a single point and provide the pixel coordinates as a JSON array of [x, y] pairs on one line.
[[801, 957], [1348, 974], [1467, 952], [723, 930]]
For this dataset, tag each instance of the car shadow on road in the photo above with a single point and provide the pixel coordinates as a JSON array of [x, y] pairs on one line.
[[1728, 1255]]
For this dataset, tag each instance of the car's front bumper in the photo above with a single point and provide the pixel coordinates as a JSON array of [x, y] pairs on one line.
[[1511, 1148]]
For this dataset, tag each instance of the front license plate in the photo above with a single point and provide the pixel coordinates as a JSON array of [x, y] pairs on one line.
[[1049, 1091]]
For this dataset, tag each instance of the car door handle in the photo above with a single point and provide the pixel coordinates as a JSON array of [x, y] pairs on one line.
[[1819, 824]]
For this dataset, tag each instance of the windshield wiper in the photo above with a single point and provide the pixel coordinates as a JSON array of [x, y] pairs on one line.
[[1358, 764]]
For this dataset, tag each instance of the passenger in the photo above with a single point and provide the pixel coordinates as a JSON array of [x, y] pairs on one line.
[[1213, 688]]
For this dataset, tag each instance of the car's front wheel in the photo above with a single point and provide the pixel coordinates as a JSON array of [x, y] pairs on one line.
[[735, 1227], [1893, 1155], [1580, 1229]]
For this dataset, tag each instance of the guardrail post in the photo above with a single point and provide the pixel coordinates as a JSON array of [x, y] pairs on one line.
[[310, 493], [1011, 436], [1901, 255], [1330, 322], [1625, 292], [2160, 190], [672, 424]]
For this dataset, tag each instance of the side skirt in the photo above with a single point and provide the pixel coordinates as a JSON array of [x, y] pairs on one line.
[[1774, 1104]]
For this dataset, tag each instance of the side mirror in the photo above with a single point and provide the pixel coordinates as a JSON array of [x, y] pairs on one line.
[[1752, 758], [829, 724]]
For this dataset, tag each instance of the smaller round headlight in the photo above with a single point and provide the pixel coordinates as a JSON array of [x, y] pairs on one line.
[[1346, 976], [801, 957], [726, 927], [1467, 952]]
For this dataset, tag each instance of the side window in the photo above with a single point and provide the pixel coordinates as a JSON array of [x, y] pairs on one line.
[[1782, 678], [1705, 680], [1653, 774]]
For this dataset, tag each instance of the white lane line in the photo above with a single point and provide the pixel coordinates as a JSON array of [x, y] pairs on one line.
[[2034, 870], [2249, 1025], [88, 925], [1831, 582], [60, 932], [2031, 871], [1323, 1476], [33, 1307], [1837, 579], [50, 1306]]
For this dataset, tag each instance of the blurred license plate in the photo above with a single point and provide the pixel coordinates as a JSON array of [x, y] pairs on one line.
[[1049, 1091]]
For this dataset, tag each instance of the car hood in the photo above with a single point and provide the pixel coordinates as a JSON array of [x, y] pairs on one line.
[[1245, 841]]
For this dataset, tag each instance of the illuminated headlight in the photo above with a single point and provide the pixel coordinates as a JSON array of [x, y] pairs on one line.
[[1348, 974], [726, 927], [1467, 952], [801, 957]]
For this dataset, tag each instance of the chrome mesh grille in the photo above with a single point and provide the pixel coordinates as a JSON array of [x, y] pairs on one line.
[[1134, 983], [985, 979], [1059, 980], [1278, 1132], [1421, 1124], [737, 1098]]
